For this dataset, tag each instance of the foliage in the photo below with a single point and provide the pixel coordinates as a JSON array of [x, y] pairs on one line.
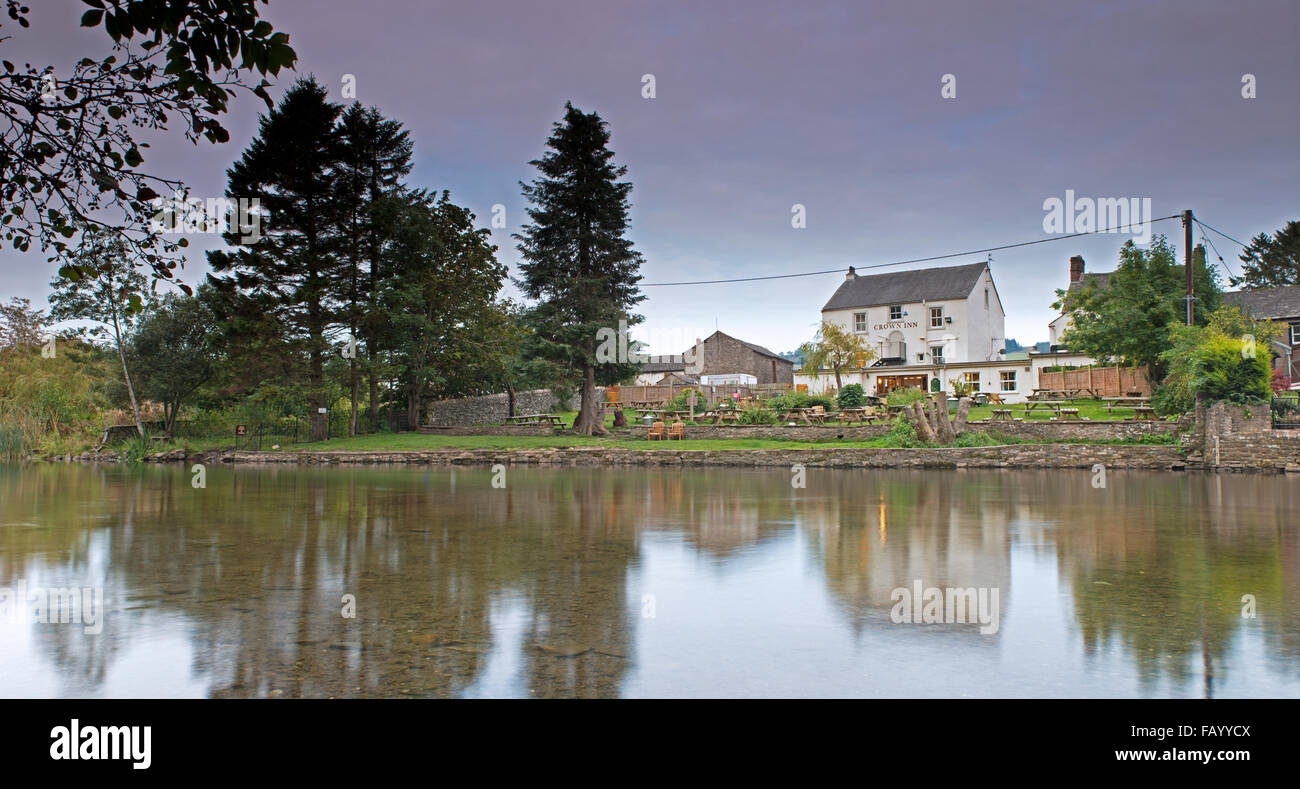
[[20, 324], [1128, 319], [1271, 261], [49, 402], [69, 149], [1280, 381], [577, 261], [834, 348], [851, 396], [905, 396], [170, 353], [902, 433], [756, 416], [959, 388], [1220, 371], [285, 273], [682, 401], [1186, 348], [797, 399]]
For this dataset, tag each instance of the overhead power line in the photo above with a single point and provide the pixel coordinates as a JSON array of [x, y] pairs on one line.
[[916, 260], [1225, 235]]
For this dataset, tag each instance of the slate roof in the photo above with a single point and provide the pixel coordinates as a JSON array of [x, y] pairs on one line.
[[901, 287], [755, 348], [1100, 278], [1267, 303]]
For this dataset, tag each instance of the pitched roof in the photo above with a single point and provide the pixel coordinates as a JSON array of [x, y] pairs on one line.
[[1101, 278], [751, 346], [1267, 303], [901, 287], [663, 367]]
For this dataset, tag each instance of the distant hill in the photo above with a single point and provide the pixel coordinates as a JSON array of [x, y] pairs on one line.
[[793, 356]]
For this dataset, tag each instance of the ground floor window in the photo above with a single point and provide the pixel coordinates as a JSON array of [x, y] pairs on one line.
[[1008, 380], [972, 381], [888, 383]]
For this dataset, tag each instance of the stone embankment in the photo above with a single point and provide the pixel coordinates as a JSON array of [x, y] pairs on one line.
[[1008, 456]]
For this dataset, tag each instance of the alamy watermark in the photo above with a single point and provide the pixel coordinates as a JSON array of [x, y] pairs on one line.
[[184, 214], [953, 606], [47, 605], [1107, 214]]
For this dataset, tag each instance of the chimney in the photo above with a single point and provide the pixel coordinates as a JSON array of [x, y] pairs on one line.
[[1076, 268], [852, 274]]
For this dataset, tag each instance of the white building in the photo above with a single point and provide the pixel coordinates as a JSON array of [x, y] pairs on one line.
[[927, 327]]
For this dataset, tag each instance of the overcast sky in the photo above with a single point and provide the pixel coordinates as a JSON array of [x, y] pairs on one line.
[[835, 106]]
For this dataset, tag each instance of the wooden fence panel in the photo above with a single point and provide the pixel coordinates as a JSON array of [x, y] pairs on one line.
[[1106, 381]]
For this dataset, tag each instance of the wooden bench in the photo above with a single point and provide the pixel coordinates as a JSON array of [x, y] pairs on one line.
[[1001, 414], [1067, 413], [1143, 412]]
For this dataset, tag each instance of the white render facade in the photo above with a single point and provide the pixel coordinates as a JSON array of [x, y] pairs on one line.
[[946, 315]]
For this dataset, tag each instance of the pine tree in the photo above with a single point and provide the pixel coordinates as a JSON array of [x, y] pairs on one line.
[[1271, 261], [292, 267], [577, 261], [376, 156]]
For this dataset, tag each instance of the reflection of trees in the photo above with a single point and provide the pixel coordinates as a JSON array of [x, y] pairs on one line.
[[1160, 564], [256, 563]]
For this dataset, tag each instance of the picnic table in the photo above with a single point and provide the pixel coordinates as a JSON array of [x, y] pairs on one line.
[[851, 415], [1067, 413], [1050, 405], [1143, 412], [808, 415], [555, 420], [1002, 415], [1127, 402]]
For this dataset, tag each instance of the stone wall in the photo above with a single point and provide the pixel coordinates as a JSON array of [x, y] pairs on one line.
[[489, 409], [1052, 431], [724, 354], [1232, 437], [1083, 456]]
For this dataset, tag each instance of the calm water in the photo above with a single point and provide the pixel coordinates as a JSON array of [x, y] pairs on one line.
[[648, 583]]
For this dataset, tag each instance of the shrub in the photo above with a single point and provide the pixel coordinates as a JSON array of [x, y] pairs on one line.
[[682, 402], [902, 434], [756, 416], [1220, 371], [851, 396], [905, 396]]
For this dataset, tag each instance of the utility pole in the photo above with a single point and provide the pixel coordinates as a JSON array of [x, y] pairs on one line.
[[1187, 261]]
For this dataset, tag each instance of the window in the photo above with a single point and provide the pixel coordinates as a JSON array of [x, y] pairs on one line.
[[936, 354], [1008, 380], [936, 317], [896, 313], [972, 380], [986, 298], [1295, 334], [859, 321]]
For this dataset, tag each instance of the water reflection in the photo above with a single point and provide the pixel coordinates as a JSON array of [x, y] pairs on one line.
[[600, 583]]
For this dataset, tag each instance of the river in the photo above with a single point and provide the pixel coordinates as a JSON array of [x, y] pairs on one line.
[[470, 582]]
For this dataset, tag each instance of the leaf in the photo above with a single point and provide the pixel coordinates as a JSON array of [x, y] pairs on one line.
[[91, 18], [115, 112]]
